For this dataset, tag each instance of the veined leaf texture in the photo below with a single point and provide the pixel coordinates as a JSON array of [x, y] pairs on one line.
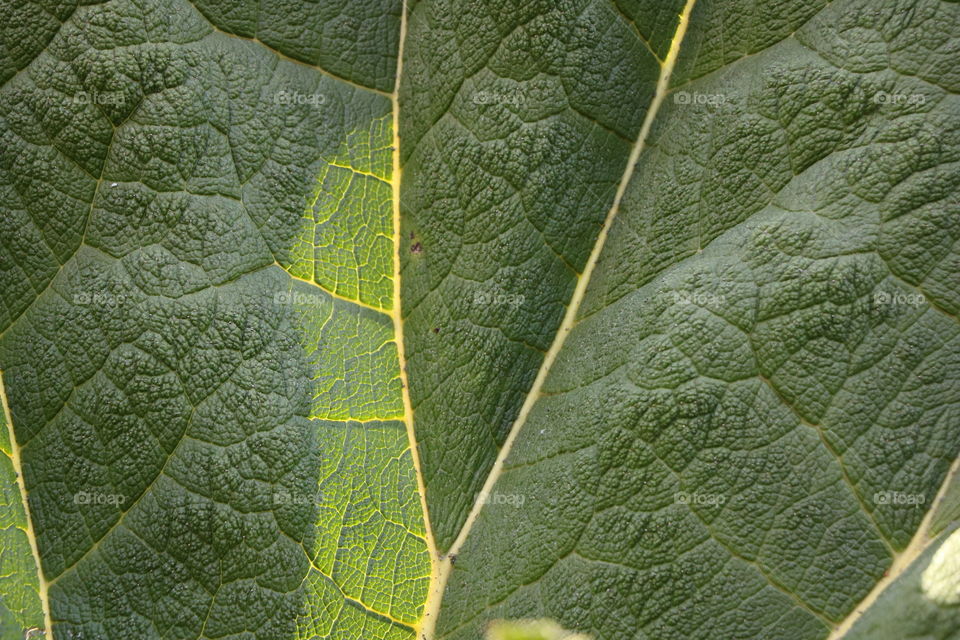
[[463, 319]]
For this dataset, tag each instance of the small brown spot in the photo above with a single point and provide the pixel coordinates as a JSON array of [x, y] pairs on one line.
[[416, 247], [412, 236], [436, 329]]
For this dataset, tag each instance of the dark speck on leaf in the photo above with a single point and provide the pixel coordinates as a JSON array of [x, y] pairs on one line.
[[436, 329], [411, 235], [416, 247]]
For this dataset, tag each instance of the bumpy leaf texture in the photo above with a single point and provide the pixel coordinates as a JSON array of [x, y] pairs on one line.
[[364, 319], [911, 606]]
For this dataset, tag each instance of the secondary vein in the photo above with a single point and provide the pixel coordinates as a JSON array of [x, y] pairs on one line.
[[902, 561], [438, 585]]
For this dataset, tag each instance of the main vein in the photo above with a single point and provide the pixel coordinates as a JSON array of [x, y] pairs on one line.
[[31, 534], [445, 565], [397, 316]]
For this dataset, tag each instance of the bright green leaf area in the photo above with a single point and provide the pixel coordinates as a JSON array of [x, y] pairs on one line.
[[346, 245], [354, 354], [20, 608], [529, 630], [372, 582], [195, 277]]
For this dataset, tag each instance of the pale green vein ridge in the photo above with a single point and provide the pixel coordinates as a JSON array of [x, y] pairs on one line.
[[23, 591], [946, 509], [445, 566]]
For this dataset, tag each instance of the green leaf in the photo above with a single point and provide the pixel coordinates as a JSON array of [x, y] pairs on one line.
[[512, 157], [947, 508], [906, 608], [373, 319], [198, 344], [752, 407], [20, 608]]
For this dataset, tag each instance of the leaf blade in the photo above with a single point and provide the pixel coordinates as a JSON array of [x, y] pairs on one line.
[[681, 299]]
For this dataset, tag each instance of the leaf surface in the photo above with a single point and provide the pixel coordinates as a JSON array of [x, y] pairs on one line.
[[517, 126], [757, 391], [198, 341], [20, 607], [353, 319], [905, 610]]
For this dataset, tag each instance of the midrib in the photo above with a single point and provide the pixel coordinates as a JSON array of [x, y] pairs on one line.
[[42, 584], [397, 316], [442, 564]]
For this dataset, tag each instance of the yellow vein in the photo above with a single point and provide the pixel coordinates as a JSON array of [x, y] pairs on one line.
[[433, 552], [901, 561], [31, 535], [438, 585], [356, 601], [358, 172], [357, 420], [332, 294]]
